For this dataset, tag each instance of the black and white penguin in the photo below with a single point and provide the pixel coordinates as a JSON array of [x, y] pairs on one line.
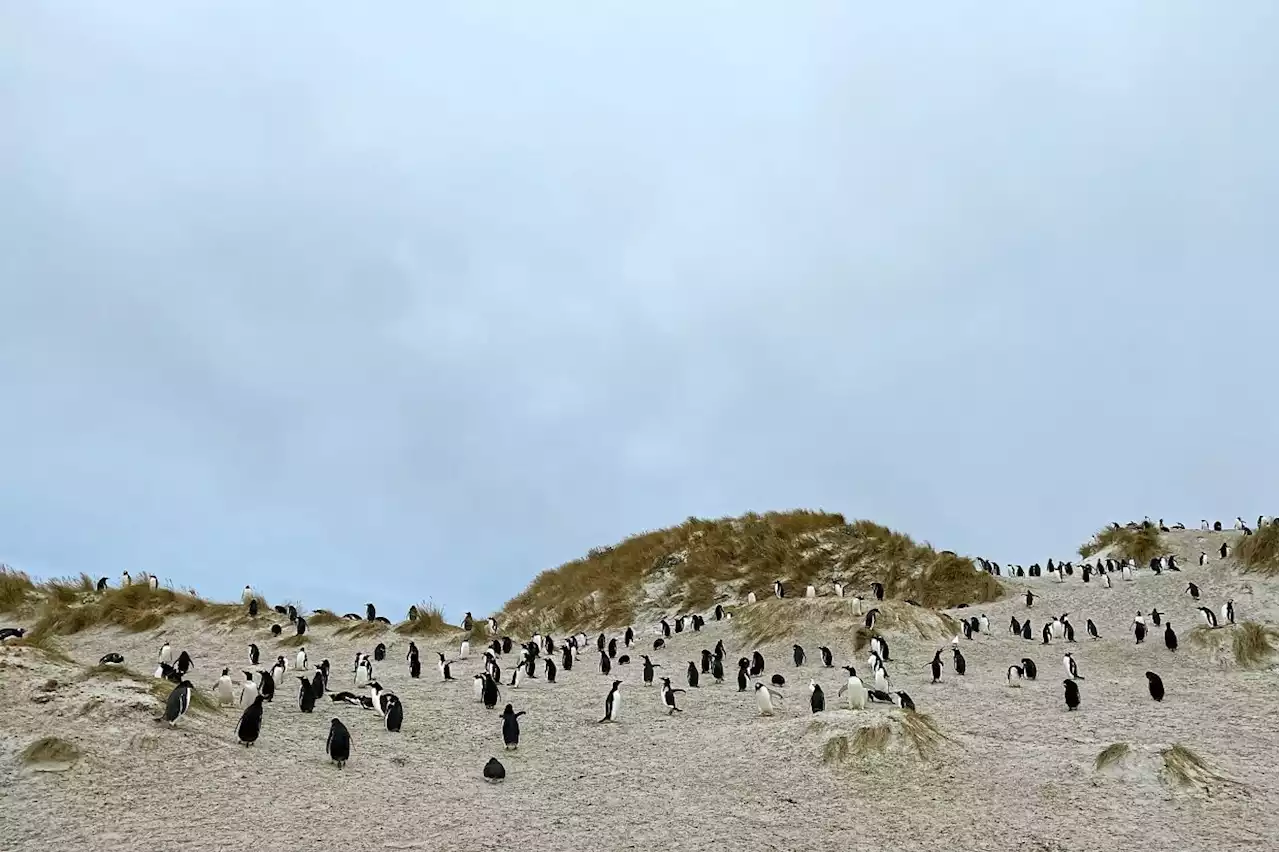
[[778, 680], [1139, 629], [757, 664], [719, 650], [112, 659], [659, 643], [338, 745], [248, 690], [1170, 638], [443, 665], [278, 670], [253, 612], [1013, 676], [692, 674], [468, 621], [166, 654], [1069, 665], [666, 628], [765, 696], [1224, 551], [511, 728], [649, 666], [549, 669], [300, 626], [1026, 629], [1207, 614], [566, 658], [1155, 616], [984, 624], [1155, 686], [825, 653], [1046, 634], [318, 684], [1229, 612], [379, 652], [743, 665], [306, 698], [880, 647], [370, 612], [177, 702], [153, 582], [797, 654], [494, 772], [300, 659], [901, 699], [707, 657], [1091, 628], [489, 692], [717, 669], [817, 699], [168, 672], [253, 655], [393, 717], [957, 661], [935, 666], [1029, 668], [266, 685], [1030, 596], [1068, 629], [613, 703], [680, 623], [856, 691], [778, 590], [628, 637], [275, 630], [669, 697], [250, 725], [877, 589], [869, 620], [102, 584], [491, 625], [1015, 626], [1193, 590], [1204, 558], [1071, 694], [718, 613], [606, 665]]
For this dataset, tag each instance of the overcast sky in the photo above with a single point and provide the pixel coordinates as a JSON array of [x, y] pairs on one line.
[[386, 302]]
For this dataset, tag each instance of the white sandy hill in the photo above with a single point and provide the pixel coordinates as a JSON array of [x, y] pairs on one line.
[[1006, 768]]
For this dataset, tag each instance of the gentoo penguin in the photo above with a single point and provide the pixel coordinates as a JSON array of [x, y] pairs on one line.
[[250, 723], [299, 626], [467, 621], [306, 698], [757, 664], [751, 597], [491, 625], [393, 718], [249, 690], [364, 668], [613, 703], [1091, 628], [984, 624], [810, 591], [707, 656], [114, 659], [1026, 629], [1170, 638], [177, 703], [125, 579], [778, 590], [511, 728], [935, 666], [517, 677], [166, 654], [1139, 629], [247, 594], [489, 692], [292, 612], [764, 698], [370, 612], [222, 691], [1209, 618], [1126, 572], [415, 665], [778, 680], [168, 672], [957, 660], [613, 648], [317, 684], [300, 659], [266, 685], [1068, 629], [275, 630], [902, 700], [856, 604], [1030, 596], [102, 584], [338, 745], [1046, 634], [278, 670], [825, 652], [717, 669], [869, 620], [1155, 686], [665, 627], [797, 654], [1204, 525], [443, 665], [566, 658], [1015, 626], [718, 612], [628, 637], [691, 675], [1013, 676], [253, 655], [856, 691], [1225, 550], [839, 589], [1229, 612], [658, 644], [477, 686], [1106, 581], [494, 772], [669, 697], [877, 589], [253, 608], [817, 700], [1071, 694], [880, 647], [1028, 668], [743, 665], [153, 582], [606, 665], [680, 623], [1155, 616], [549, 669], [649, 666], [1069, 664], [379, 652], [1193, 590], [1204, 558]]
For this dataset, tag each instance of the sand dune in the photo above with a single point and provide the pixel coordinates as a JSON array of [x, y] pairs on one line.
[[1015, 770]]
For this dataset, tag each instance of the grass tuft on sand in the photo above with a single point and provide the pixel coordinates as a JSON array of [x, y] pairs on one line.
[[294, 641], [321, 617], [199, 700], [1254, 644], [1141, 544], [135, 608], [1259, 553], [870, 740], [1184, 768], [43, 643], [112, 672], [1110, 755], [430, 622], [49, 750], [351, 627], [923, 733], [15, 588]]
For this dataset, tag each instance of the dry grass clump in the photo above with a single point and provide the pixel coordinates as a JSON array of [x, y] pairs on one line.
[[199, 700], [870, 740], [1253, 644], [772, 619], [68, 590], [1111, 754], [923, 732], [430, 622], [360, 628], [917, 729], [1259, 553], [294, 641], [1184, 768], [15, 588], [321, 617], [135, 608], [43, 643], [112, 672], [1141, 544], [49, 750]]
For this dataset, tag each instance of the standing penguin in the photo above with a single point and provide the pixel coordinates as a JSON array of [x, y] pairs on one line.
[[566, 658], [511, 728], [177, 703], [1155, 616], [717, 669], [223, 691], [778, 591], [1156, 686], [1170, 638], [379, 652], [394, 716], [1015, 626], [1028, 668], [249, 691], [1030, 596], [549, 669], [1139, 629], [1026, 629], [957, 660], [1046, 634], [935, 666], [825, 652], [764, 698], [669, 697], [1224, 551], [338, 745], [370, 612], [166, 654], [250, 723], [278, 670], [856, 691], [446, 673], [306, 698], [1229, 612], [817, 700], [489, 692], [266, 685], [649, 666], [706, 661], [742, 674], [1193, 590], [253, 655], [606, 665], [1071, 694], [300, 626], [1069, 665], [757, 664], [613, 703], [1204, 558], [253, 608], [1013, 676], [691, 675], [1090, 628], [877, 589], [318, 684], [797, 654], [1210, 619], [300, 661]]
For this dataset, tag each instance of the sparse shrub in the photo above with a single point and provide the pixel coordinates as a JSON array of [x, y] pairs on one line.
[[1110, 754], [430, 622], [1141, 544], [1184, 768], [1253, 644], [321, 617], [1257, 553], [15, 588]]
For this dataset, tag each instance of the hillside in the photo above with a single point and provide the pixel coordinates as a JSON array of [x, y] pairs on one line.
[[693, 566]]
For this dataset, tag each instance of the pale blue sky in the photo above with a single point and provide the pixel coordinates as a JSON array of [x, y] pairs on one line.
[[380, 302]]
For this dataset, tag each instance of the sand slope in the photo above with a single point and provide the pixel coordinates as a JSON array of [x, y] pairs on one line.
[[1016, 771]]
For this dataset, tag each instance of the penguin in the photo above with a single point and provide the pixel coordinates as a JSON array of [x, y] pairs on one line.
[[1155, 616], [680, 619], [628, 637], [1055, 626], [292, 612], [1224, 551], [902, 700], [446, 673], [778, 591], [275, 630], [1126, 573], [494, 772], [666, 628], [957, 661], [613, 703], [250, 725], [467, 620], [566, 658], [489, 692], [880, 678], [877, 589], [370, 612], [166, 654], [751, 597], [253, 608], [658, 644], [1106, 581], [549, 669], [778, 680], [306, 698], [153, 582], [1204, 525], [317, 684], [606, 665], [870, 619], [810, 591], [477, 686], [491, 625], [839, 589], [125, 579], [691, 675], [1209, 618], [720, 651], [379, 652], [415, 666], [825, 652], [1071, 694], [1229, 612], [706, 661], [102, 584], [1170, 638], [300, 626], [880, 647], [112, 660], [1204, 558], [984, 624], [797, 654], [517, 677], [1028, 668], [300, 659], [1026, 629], [817, 700], [1013, 676], [1139, 629], [1068, 629], [249, 690], [1030, 596], [669, 697], [511, 728], [222, 691], [338, 745], [266, 686], [718, 613], [1091, 628], [757, 664], [1155, 686], [743, 665], [168, 672], [717, 669], [1015, 626], [177, 703], [1193, 590], [649, 666], [1069, 664], [764, 698], [393, 718], [278, 670], [856, 691], [1046, 634]]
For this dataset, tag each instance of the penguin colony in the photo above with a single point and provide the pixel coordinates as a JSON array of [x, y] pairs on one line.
[[535, 659]]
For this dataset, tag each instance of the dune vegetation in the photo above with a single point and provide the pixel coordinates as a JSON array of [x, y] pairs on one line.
[[49, 750], [1258, 553], [1141, 544]]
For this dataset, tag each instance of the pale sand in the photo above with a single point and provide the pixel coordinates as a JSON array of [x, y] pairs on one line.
[[1017, 772]]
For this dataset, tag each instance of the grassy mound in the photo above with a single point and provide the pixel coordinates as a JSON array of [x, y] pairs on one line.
[[1141, 544], [15, 589], [1258, 553], [135, 608], [199, 700], [1110, 755], [771, 620], [49, 750], [1252, 645], [321, 617], [917, 733], [430, 622], [351, 627], [702, 562], [1184, 768]]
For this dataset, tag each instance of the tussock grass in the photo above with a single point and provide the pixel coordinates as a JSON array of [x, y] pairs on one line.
[[1253, 644], [1109, 755], [361, 628], [109, 672], [836, 750], [135, 608], [430, 622], [49, 750], [922, 732], [321, 617], [199, 700], [43, 643], [1141, 544], [1184, 768], [15, 588], [1259, 553], [68, 590], [771, 619], [294, 641], [870, 740]]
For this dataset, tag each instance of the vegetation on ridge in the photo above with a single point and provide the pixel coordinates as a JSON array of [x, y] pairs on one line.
[[1260, 553], [1141, 544]]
